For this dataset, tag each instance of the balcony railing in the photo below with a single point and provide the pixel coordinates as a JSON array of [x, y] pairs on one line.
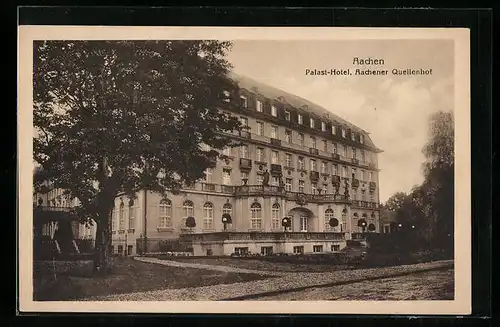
[[336, 156], [245, 163], [245, 134], [249, 190], [365, 204], [275, 141], [314, 175], [313, 151], [259, 236], [317, 198], [276, 169], [51, 208], [372, 165], [355, 161]]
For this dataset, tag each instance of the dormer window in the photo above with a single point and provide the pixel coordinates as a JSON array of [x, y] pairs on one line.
[[287, 115], [334, 131], [274, 111], [311, 122], [300, 119], [361, 138], [259, 106], [352, 136], [244, 101], [343, 132], [226, 96], [323, 126]]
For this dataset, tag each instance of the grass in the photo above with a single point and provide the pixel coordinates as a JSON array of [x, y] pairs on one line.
[[128, 276], [262, 265]]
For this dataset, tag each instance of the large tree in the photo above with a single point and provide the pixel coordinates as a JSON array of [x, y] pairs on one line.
[[395, 201], [121, 116]]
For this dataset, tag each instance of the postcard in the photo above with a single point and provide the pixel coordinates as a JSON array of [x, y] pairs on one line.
[[244, 170]]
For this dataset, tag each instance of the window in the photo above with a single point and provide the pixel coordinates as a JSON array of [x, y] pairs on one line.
[[324, 169], [226, 176], [370, 177], [301, 186], [354, 153], [275, 158], [113, 219], [353, 173], [244, 151], [256, 216], [362, 175], [275, 181], [275, 216], [335, 169], [210, 252], [244, 176], [300, 119], [288, 184], [353, 138], [260, 128], [313, 142], [227, 96], [325, 146], [335, 247], [298, 249], [260, 154], [334, 131], [329, 214], [334, 148], [244, 101], [226, 151], [301, 139], [317, 248], [122, 216], [303, 223], [288, 136], [208, 175], [343, 132], [344, 171], [300, 163], [314, 188], [362, 155], [288, 160], [312, 163], [345, 151], [274, 111], [266, 250], [260, 179], [131, 214], [241, 251], [165, 219], [187, 211], [208, 216], [244, 121], [274, 132], [259, 106], [323, 126], [361, 138], [287, 115], [311, 122]]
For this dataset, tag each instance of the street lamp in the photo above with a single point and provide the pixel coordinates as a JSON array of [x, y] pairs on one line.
[[226, 219], [286, 222]]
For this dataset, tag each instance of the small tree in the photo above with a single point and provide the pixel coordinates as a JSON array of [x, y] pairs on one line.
[[121, 116]]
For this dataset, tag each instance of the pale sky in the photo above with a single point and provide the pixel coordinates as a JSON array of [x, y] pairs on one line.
[[398, 125]]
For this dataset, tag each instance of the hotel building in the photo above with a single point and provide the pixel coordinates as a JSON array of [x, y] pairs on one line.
[[321, 171]]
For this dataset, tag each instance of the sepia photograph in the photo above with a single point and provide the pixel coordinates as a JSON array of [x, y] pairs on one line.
[[228, 169]]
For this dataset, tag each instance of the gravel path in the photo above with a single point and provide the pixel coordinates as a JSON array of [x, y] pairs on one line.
[[209, 267], [287, 281]]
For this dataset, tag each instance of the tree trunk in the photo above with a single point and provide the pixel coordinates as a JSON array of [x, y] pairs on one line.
[[102, 244]]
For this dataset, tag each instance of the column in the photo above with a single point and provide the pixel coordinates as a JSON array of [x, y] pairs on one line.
[[321, 219], [266, 213]]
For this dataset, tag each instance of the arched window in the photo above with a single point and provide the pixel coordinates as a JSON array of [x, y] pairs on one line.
[[132, 211], [187, 211], [256, 216], [275, 216], [122, 216], [208, 216], [113, 218], [165, 214], [329, 214]]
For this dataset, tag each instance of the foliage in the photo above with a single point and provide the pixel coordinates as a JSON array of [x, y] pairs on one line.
[[121, 116]]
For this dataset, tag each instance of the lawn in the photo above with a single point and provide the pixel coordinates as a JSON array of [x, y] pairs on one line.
[[128, 276], [262, 265]]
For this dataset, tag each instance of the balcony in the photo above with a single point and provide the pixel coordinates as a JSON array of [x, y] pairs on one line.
[[336, 156], [245, 134], [355, 183], [313, 151], [372, 186], [245, 164], [275, 142], [336, 180], [276, 169], [314, 175], [261, 236], [355, 161], [372, 165], [258, 190], [316, 198], [364, 204]]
